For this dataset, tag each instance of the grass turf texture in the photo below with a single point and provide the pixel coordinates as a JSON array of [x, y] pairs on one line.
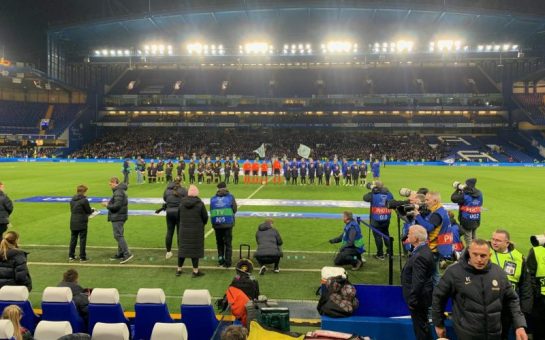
[[511, 197]]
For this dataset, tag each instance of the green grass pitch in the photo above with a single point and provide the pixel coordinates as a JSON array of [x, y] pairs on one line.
[[512, 198]]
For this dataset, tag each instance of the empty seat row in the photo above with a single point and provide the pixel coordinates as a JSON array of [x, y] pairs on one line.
[[198, 315], [53, 330]]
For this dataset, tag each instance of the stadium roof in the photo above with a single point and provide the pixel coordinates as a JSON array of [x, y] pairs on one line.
[[90, 23]]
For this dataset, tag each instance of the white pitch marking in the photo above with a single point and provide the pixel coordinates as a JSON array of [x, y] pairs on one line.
[[161, 249]]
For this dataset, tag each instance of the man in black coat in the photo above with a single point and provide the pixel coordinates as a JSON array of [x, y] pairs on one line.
[[117, 214], [480, 291], [6, 208], [79, 219], [417, 282]]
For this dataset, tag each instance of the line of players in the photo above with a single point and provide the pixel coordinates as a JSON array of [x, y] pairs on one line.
[[302, 171]]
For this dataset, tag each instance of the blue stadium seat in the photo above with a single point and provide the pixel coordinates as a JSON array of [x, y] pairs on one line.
[[150, 308], [52, 330], [171, 331], [104, 307], [110, 331], [57, 305], [198, 314], [18, 295], [6, 330]]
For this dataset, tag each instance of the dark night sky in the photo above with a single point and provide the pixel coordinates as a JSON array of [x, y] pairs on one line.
[[23, 31]]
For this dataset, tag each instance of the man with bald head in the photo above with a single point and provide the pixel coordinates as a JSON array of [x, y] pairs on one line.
[[417, 281], [480, 293]]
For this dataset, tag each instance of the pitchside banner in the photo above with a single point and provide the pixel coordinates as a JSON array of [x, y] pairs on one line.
[[249, 202], [403, 163]]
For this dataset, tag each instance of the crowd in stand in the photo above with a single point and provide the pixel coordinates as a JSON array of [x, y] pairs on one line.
[[172, 144], [27, 152]]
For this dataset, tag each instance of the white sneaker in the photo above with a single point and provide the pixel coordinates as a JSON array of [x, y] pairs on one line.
[[168, 255]]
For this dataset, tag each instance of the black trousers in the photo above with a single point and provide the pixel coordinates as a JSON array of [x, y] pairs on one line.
[[3, 228], [194, 262], [379, 239], [263, 260], [235, 179], [173, 225], [227, 178], [421, 325], [224, 238], [347, 256], [82, 243]]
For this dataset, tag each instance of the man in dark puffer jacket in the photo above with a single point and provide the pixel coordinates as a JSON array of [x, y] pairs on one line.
[[480, 291], [117, 214]]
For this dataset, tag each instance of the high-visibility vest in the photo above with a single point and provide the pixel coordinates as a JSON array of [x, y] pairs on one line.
[[506, 261], [539, 252]]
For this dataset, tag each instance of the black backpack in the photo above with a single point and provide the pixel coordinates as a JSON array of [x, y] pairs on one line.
[[337, 298]]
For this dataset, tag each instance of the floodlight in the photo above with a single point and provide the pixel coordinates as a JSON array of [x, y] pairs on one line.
[[112, 53], [506, 47], [339, 47], [515, 47], [119, 53], [257, 48], [404, 46], [480, 48], [497, 47], [97, 53], [194, 48], [127, 52], [489, 47]]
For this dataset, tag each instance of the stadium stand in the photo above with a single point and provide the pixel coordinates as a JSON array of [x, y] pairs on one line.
[[304, 83]]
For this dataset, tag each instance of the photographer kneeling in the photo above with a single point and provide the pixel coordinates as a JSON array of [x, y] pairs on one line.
[[470, 201], [351, 243]]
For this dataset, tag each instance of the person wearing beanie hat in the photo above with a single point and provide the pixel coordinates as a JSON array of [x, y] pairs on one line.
[[223, 208], [193, 218], [470, 201]]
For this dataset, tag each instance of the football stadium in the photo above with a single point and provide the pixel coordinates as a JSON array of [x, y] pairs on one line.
[[333, 169]]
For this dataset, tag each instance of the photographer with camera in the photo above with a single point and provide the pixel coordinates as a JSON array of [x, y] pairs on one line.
[[406, 211], [380, 214], [536, 267], [470, 201], [437, 224]]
